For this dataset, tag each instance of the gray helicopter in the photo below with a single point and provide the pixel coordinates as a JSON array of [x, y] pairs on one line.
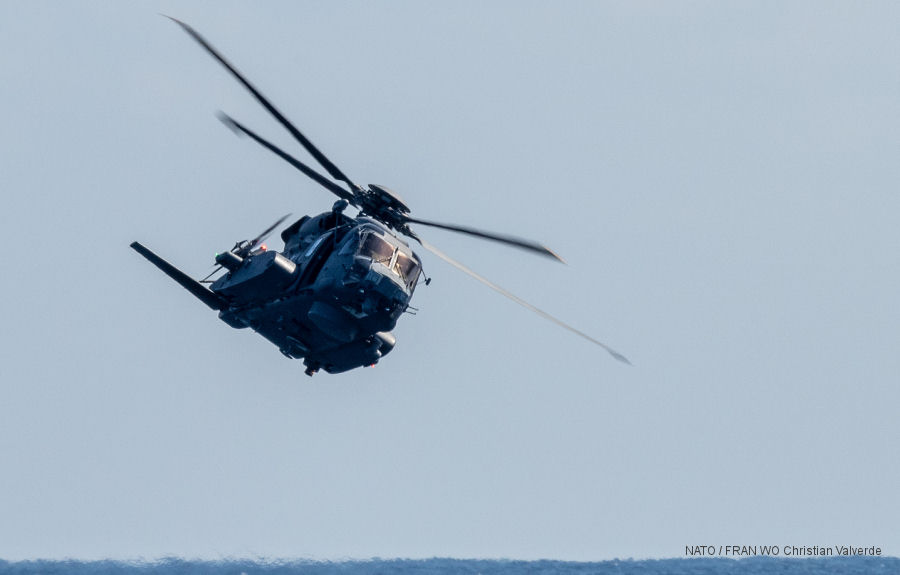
[[336, 291]]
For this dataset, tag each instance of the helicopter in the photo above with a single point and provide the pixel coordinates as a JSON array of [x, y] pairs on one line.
[[335, 292]]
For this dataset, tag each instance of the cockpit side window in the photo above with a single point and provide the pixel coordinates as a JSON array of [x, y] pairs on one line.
[[351, 243]]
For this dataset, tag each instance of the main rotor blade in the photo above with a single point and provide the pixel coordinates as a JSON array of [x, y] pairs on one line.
[[262, 237], [322, 180], [520, 301], [509, 240], [335, 172]]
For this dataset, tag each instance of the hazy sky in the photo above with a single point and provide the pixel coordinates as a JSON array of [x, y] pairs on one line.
[[722, 178]]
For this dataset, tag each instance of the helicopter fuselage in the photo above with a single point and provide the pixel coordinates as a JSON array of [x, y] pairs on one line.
[[336, 291], [331, 297]]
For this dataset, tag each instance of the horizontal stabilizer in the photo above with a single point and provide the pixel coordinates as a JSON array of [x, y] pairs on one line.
[[198, 289]]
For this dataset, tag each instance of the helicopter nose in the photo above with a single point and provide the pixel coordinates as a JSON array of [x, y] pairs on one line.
[[384, 295]]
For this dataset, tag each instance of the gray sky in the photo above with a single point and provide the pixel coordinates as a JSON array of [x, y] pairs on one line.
[[721, 177]]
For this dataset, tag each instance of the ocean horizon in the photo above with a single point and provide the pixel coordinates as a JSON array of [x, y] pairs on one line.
[[680, 566]]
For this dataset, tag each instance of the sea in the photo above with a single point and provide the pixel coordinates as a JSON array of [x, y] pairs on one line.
[[698, 566]]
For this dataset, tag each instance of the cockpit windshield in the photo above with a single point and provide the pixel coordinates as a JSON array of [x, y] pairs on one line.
[[407, 268], [374, 246], [377, 249]]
